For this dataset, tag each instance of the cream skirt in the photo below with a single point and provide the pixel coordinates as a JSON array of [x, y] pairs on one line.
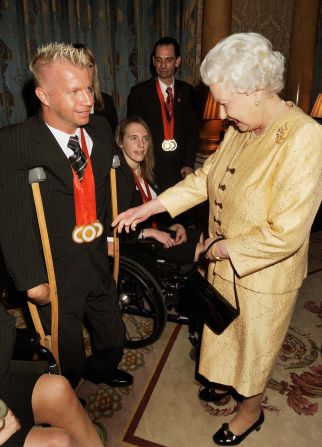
[[243, 356]]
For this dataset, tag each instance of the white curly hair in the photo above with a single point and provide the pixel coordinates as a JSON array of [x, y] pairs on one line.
[[246, 62]]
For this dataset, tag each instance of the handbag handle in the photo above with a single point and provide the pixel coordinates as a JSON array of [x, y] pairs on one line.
[[234, 271], [211, 244]]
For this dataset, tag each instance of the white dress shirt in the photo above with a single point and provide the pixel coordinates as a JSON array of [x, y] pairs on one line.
[[164, 87], [63, 138]]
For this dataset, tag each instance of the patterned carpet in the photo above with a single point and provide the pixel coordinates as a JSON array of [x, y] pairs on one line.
[[162, 408]]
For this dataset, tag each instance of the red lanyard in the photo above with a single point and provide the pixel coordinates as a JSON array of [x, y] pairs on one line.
[[168, 126], [84, 191], [145, 196]]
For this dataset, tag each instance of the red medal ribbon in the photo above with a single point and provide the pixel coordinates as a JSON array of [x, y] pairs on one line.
[[145, 196], [168, 126], [84, 191]]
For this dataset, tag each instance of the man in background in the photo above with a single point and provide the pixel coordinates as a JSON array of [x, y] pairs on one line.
[[168, 107]]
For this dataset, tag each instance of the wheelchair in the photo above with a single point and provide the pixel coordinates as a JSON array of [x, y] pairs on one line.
[[151, 292]]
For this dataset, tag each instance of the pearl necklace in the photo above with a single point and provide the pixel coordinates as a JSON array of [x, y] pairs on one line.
[[266, 129]]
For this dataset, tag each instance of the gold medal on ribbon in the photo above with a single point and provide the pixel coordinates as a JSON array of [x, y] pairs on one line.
[[89, 233], [77, 234], [99, 228], [88, 227]]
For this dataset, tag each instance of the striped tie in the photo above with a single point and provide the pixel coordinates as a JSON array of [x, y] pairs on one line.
[[78, 159], [169, 102]]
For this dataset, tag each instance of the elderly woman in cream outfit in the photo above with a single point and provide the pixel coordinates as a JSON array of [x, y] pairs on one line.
[[264, 186]]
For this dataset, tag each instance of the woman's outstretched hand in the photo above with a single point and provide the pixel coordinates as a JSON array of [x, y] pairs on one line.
[[133, 216]]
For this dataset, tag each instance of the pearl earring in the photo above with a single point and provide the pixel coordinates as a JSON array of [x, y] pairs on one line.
[[257, 103]]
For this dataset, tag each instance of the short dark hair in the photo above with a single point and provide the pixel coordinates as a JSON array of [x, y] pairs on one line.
[[167, 41]]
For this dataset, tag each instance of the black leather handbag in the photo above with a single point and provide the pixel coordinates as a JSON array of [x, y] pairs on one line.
[[207, 304]]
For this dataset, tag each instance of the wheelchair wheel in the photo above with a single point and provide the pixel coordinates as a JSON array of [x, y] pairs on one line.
[[142, 304]]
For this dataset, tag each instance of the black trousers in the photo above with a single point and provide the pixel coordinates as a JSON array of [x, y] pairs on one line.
[[97, 304]]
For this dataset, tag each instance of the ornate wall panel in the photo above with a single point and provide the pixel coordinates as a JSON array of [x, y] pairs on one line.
[[272, 19], [121, 33]]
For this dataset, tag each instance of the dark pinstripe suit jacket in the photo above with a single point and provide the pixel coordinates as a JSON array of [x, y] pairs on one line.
[[144, 102], [31, 144]]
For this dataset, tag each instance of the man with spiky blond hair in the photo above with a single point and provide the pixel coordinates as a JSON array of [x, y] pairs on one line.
[[75, 149]]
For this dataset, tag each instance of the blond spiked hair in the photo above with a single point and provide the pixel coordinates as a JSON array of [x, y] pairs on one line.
[[53, 53]]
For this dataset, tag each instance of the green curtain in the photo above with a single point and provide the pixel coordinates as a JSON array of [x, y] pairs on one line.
[[121, 34]]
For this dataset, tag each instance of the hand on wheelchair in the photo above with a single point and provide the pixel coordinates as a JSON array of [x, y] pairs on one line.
[[161, 236], [181, 234]]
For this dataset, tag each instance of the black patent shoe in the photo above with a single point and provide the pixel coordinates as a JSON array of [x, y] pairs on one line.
[[119, 379], [208, 394], [225, 437]]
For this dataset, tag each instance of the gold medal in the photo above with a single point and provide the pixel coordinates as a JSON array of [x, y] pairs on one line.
[[99, 228], [89, 233], [77, 235]]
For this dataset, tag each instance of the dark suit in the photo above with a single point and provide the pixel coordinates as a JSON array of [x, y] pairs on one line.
[[84, 282], [143, 101]]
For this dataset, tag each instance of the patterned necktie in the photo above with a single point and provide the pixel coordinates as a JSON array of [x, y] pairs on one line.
[[169, 102], [78, 159]]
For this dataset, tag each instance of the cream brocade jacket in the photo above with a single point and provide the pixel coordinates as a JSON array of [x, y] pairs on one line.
[[263, 195]]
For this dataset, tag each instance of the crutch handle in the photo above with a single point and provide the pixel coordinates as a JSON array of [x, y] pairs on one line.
[[116, 162], [37, 175]]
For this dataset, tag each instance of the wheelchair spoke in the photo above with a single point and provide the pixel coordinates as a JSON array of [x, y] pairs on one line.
[[143, 328], [142, 304]]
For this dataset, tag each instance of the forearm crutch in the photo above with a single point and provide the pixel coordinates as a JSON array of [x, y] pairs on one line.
[[36, 176], [116, 265]]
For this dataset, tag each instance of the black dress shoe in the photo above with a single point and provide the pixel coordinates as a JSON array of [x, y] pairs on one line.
[[225, 437], [120, 379], [209, 395]]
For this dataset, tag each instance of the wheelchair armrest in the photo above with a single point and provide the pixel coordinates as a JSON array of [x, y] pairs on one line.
[[139, 244]]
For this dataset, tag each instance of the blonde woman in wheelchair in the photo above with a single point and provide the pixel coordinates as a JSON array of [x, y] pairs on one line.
[[135, 185]]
